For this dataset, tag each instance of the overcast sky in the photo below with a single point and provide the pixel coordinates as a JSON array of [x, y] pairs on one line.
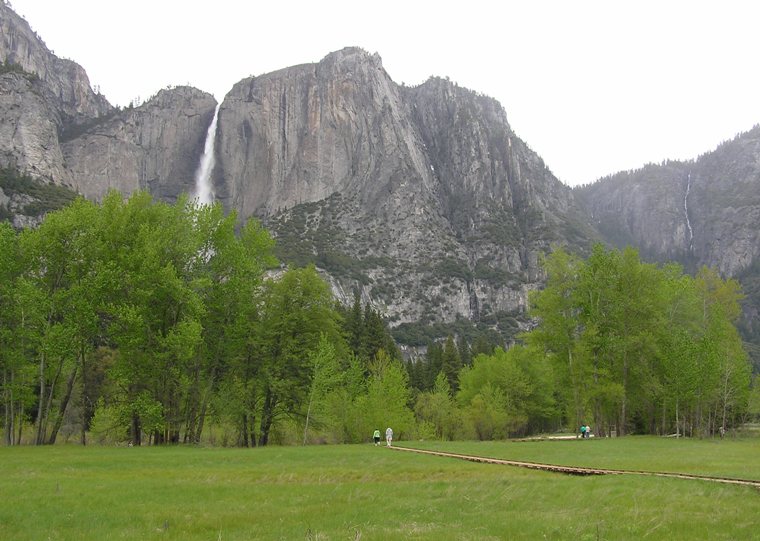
[[594, 87]]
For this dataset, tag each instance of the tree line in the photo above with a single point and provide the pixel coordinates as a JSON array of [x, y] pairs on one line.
[[143, 322]]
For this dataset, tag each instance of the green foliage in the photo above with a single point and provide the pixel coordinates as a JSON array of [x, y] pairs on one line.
[[47, 196], [422, 332], [639, 347], [366, 332], [453, 268], [497, 393], [386, 402], [10, 67], [149, 322]]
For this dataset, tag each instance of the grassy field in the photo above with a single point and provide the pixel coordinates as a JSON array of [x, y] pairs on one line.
[[356, 492]]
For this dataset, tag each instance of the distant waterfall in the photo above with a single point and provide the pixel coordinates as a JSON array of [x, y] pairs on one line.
[[686, 211], [204, 192]]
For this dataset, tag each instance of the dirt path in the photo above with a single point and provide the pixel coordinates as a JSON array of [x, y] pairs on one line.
[[573, 470]]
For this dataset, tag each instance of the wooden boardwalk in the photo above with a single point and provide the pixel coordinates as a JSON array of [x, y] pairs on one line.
[[576, 470]]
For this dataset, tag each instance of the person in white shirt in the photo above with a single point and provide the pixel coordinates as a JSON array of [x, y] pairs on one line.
[[388, 436]]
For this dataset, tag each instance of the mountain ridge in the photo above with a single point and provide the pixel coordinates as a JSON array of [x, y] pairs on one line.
[[420, 199]]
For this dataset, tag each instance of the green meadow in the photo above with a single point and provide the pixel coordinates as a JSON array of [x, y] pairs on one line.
[[365, 492]]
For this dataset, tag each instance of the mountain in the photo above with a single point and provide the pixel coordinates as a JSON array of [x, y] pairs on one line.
[[63, 135], [421, 200], [154, 147], [41, 96], [700, 212]]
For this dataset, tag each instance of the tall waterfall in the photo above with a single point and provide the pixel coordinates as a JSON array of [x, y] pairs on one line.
[[686, 211], [204, 192]]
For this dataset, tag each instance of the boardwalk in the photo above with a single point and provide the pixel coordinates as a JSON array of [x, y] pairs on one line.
[[574, 470]]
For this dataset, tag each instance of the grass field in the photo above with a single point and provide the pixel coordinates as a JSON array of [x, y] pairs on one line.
[[364, 492]]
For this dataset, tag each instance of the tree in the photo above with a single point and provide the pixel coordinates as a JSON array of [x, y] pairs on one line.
[[438, 410], [496, 392], [451, 364], [16, 373], [642, 347], [325, 375], [557, 335], [388, 397], [230, 284], [297, 310]]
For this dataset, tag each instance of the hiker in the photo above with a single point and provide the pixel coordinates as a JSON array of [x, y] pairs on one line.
[[376, 437], [588, 431], [583, 431], [388, 436]]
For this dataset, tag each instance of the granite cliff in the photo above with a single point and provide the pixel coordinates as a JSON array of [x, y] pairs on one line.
[[57, 130], [41, 96], [700, 212], [421, 199], [154, 147], [704, 211]]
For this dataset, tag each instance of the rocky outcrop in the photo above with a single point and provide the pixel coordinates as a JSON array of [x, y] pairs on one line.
[[68, 84], [29, 128], [300, 134], [422, 198], [701, 212], [501, 199], [41, 98], [153, 147]]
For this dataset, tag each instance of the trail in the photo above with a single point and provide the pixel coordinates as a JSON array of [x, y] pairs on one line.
[[575, 470]]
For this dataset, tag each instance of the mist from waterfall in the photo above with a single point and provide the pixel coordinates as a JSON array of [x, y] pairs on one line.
[[204, 192]]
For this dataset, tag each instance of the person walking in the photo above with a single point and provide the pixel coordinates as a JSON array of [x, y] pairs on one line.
[[388, 436], [376, 437]]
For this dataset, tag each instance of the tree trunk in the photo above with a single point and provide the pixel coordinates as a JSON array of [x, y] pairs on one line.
[[85, 396], [678, 428], [267, 415], [7, 410], [135, 430], [62, 407], [20, 417], [623, 413], [244, 431], [49, 401], [40, 436]]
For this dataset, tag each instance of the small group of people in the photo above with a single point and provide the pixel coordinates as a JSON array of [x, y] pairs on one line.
[[585, 431], [388, 437]]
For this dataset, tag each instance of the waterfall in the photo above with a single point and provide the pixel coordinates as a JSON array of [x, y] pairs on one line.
[[204, 192], [686, 211]]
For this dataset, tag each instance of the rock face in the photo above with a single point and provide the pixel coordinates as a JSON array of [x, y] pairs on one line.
[[41, 97], [423, 198], [54, 127], [701, 212], [67, 82], [29, 128], [303, 133], [153, 147]]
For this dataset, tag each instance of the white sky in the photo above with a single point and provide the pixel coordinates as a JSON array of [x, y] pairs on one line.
[[593, 86]]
